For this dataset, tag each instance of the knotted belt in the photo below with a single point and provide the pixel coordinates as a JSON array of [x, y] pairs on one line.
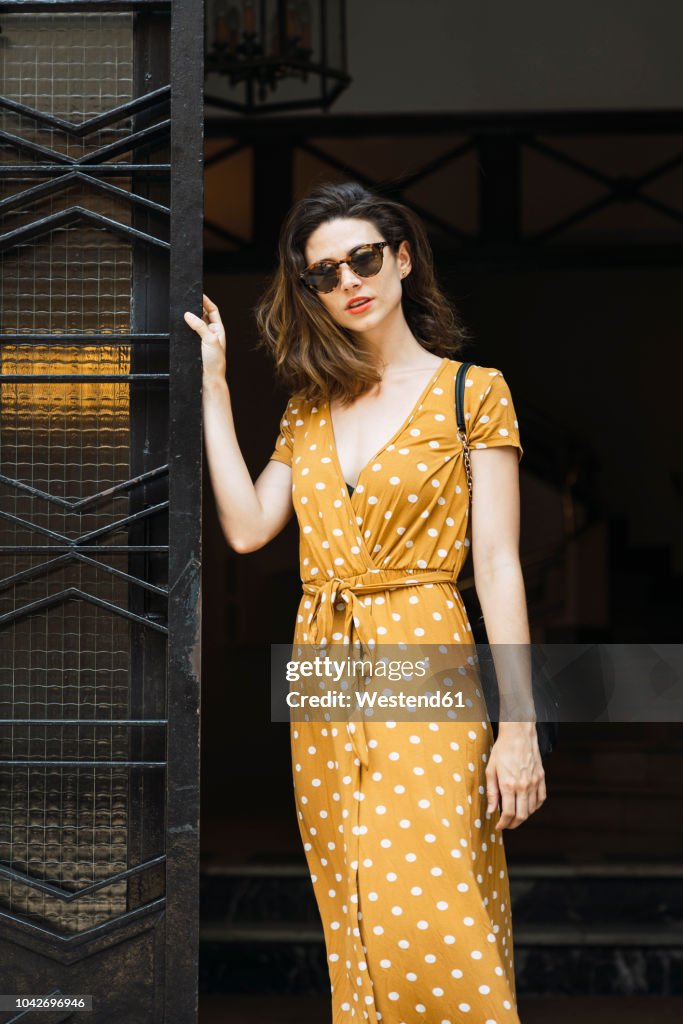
[[358, 619]]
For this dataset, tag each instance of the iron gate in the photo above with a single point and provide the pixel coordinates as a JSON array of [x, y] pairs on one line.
[[100, 508]]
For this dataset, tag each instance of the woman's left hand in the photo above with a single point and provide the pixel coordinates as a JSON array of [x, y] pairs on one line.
[[514, 774]]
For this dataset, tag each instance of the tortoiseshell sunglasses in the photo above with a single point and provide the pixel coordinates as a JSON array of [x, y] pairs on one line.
[[364, 260]]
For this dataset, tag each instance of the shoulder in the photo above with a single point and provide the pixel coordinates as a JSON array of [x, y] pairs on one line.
[[479, 380], [298, 412], [487, 401], [484, 380]]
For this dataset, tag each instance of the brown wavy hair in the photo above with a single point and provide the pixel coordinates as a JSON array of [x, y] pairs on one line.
[[317, 359]]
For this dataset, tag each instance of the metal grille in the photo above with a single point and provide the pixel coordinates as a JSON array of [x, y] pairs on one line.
[[73, 796]]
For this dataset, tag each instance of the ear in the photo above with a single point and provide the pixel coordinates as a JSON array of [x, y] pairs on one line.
[[403, 259]]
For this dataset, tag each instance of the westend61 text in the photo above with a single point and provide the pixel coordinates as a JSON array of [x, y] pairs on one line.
[[379, 700], [326, 666]]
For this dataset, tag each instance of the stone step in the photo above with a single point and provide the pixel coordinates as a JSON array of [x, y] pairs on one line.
[[586, 900], [311, 1009], [669, 936], [585, 928]]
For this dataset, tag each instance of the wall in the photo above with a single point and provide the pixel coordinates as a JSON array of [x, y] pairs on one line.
[[530, 55]]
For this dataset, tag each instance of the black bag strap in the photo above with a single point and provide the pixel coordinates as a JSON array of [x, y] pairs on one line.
[[460, 418], [460, 394]]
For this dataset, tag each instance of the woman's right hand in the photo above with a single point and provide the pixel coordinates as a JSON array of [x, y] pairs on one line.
[[210, 329]]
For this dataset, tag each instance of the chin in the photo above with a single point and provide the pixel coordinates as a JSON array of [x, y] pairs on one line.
[[360, 328], [362, 323]]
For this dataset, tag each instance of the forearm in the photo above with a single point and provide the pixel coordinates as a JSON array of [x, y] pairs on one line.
[[239, 509], [501, 594], [500, 589]]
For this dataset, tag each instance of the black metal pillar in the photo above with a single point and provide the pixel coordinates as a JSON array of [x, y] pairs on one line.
[[499, 189], [272, 191], [185, 443]]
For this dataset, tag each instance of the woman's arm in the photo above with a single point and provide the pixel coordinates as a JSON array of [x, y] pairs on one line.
[[495, 544], [515, 771], [250, 514]]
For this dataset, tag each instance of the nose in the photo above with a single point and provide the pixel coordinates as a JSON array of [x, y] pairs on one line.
[[347, 277]]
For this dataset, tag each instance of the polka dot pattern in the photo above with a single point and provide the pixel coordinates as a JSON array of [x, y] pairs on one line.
[[408, 870]]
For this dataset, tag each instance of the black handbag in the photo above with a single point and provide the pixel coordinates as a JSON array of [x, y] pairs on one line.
[[544, 692]]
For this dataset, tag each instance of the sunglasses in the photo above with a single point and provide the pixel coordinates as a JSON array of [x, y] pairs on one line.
[[364, 260]]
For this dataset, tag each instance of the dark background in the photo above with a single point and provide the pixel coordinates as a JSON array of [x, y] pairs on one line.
[[557, 232]]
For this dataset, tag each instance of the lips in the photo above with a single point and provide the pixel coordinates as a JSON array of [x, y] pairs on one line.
[[359, 304]]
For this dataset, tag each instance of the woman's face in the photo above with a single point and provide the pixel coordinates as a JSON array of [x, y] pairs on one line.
[[334, 240]]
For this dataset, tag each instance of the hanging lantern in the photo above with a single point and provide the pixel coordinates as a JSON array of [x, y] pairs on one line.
[[275, 55]]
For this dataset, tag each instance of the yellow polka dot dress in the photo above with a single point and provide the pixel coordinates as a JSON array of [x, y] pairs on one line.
[[409, 873]]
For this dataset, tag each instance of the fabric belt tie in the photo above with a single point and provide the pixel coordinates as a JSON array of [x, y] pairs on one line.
[[358, 619]]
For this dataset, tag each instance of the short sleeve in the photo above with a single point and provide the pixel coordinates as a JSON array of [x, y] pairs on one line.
[[490, 417], [284, 444]]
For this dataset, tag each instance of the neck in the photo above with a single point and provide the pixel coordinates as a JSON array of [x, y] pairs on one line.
[[393, 343]]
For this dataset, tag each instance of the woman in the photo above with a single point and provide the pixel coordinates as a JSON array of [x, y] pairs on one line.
[[400, 821]]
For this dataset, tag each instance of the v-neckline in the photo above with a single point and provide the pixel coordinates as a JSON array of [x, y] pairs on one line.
[[423, 394]]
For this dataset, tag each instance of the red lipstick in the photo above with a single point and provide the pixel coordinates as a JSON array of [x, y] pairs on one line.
[[363, 303]]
